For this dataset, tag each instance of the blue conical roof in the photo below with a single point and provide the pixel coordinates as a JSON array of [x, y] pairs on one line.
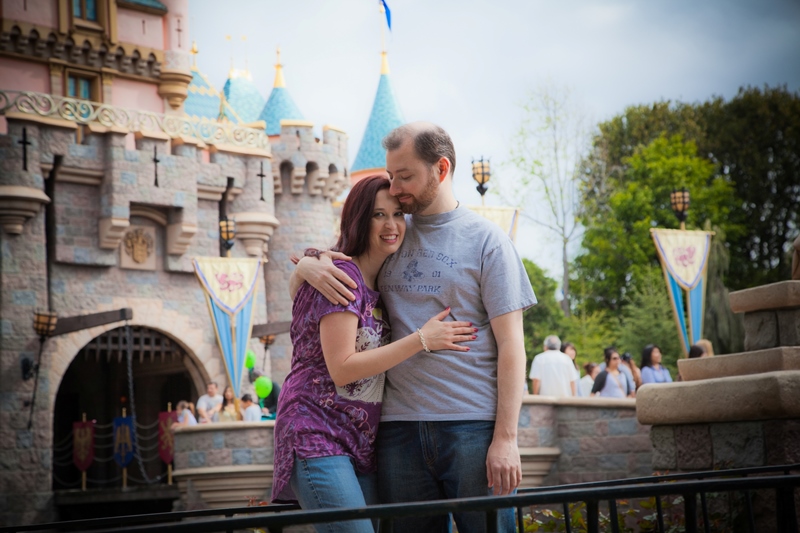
[[243, 96], [203, 101], [385, 117], [280, 105]]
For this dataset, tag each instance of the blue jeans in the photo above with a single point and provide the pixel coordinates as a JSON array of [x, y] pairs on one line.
[[421, 461], [330, 482]]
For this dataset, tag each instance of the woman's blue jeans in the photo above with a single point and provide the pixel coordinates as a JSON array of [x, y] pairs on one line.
[[330, 482]]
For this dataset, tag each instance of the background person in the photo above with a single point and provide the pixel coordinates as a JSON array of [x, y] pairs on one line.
[[611, 382], [587, 381], [208, 405], [185, 412], [552, 371], [251, 411], [652, 369], [569, 349], [229, 411], [626, 361], [330, 405]]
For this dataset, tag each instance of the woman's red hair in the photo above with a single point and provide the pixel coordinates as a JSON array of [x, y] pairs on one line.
[[357, 214]]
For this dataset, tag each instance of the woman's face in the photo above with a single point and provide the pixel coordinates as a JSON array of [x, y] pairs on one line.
[[570, 351], [228, 394], [613, 363], [595, 371], [655, 356], [388, 225]]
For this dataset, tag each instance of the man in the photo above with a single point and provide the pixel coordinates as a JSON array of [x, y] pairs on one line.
[[252, 412], [449, 422], [552, 371], [209, 404]]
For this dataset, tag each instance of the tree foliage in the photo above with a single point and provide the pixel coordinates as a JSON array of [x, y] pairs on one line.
[[545, 318]]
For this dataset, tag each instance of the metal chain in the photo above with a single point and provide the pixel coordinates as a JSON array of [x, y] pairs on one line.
[[129, 342]]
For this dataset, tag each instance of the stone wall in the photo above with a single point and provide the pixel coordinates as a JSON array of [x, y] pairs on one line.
[[598, 438]]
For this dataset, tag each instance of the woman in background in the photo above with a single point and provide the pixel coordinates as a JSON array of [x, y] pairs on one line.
[[611, 383], [569, 349], [185, 412], [652, 369], [228, 410], [587, 382]]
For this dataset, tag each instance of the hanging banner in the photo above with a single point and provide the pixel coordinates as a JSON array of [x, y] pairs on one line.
[[684, 260], [229, 285], [505, 217], [124, 440], [83, 445], [166, 438]]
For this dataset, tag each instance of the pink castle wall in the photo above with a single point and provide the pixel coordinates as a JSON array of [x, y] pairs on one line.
[[129, 28], [178, 11], [22, 76], [136, 95], [39, 12]]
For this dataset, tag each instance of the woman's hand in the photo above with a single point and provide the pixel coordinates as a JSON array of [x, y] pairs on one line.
[[441, 335]]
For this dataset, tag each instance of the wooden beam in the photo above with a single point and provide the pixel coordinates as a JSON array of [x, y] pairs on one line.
[[77, 323], [273, 328]]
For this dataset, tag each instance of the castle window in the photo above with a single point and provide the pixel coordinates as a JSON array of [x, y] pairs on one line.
[[85, 10], [83, 86]]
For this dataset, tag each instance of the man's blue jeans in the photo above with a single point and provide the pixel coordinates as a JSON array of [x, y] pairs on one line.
[[330, 482], [421, 461]]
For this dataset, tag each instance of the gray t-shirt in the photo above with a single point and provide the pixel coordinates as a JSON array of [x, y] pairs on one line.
[[207, 403], [457, 259]]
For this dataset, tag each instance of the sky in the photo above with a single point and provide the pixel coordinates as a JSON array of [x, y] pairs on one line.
[[469, 65]]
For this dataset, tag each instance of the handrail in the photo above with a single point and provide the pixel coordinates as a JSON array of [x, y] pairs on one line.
[[276, 522]]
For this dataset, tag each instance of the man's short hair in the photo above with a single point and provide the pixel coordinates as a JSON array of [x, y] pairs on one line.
[[247, 398], [552, 342], [212, 383], [430, 144]]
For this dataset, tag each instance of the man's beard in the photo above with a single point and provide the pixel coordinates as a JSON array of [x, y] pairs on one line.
[[425, 199]]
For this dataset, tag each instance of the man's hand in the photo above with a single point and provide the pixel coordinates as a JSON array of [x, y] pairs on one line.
[[503, 466], [324, 276]]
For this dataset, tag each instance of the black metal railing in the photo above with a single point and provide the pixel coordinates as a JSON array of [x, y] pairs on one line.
[[688, 486]]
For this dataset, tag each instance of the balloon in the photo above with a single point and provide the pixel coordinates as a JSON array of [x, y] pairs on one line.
[[263, 386], [249, 359]]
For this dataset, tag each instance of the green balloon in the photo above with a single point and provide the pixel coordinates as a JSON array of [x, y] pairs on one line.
[[263, 386], [249, 359]]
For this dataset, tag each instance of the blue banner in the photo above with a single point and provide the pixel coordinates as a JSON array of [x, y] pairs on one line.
[[388, 14], [124, 440]]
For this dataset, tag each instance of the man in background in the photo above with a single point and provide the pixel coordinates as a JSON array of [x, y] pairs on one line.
[[552, 371]]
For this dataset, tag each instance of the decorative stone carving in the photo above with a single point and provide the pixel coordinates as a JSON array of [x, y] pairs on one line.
[[255, 230], [17, 205], [138, 248], [179, 237], [174, 86], [111, 231]]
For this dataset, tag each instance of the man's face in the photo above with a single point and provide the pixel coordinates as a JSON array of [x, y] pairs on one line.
[[211, 389], [414, 182]]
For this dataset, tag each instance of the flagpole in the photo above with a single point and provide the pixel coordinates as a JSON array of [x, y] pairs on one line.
[[169, 466], [383, 31], [83, 474], [124, 468]]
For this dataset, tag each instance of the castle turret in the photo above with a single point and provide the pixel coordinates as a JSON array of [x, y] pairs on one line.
[[243, 95], [309, 175], [280, 105], [204, 102], [385, 116]]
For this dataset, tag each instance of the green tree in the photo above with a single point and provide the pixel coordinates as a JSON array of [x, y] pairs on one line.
[[618, 250], [545, 318], [721, 325]]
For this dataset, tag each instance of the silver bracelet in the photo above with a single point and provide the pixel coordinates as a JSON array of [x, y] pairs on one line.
[[422, 340]]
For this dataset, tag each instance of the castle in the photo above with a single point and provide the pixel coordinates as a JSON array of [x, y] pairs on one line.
[[118, 161]]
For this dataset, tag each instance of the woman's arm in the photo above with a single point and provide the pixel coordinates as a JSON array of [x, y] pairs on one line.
[[345, 365]]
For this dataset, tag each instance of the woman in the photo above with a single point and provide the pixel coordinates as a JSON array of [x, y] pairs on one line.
[[185, 414], [627, 361], [330, 403], [587, 381], [569, 349], [652, 369], [611, 383], [228, 411]]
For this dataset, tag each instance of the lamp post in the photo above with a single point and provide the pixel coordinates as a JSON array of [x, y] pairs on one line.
[[227, 232], [481, 174], [679, 201], [44, 323], [267, 341]]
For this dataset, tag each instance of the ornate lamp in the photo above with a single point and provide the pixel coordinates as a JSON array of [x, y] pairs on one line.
[[481, 174], [679, 201], [227, 232], [44, 322]]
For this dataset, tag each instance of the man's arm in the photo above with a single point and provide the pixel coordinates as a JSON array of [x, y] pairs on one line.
[[503, 468], [574, 389], [537, 385], [324, 276]]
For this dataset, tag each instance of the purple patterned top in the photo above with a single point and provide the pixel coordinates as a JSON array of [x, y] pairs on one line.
[[315, 417]]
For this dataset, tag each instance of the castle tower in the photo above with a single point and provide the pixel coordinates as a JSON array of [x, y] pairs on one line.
[[309, 175], [243, 95], [280, 105], [204, 102], [385, 116]]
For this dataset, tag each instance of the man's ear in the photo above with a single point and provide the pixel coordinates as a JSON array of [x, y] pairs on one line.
[[444, 168]]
